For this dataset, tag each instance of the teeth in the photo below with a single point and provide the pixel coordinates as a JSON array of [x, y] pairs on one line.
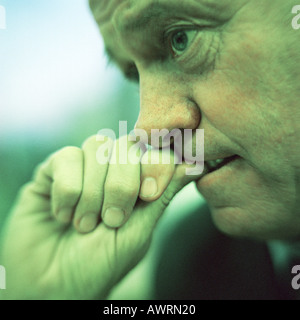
[[214, 163]]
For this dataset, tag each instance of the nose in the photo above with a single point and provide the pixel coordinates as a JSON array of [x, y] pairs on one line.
[[165, 105]]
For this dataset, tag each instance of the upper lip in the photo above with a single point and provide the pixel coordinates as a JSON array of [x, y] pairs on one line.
[[217, 157], [213, 157]]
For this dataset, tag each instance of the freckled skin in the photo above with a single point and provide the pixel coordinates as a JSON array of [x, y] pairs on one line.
[[239, 81]]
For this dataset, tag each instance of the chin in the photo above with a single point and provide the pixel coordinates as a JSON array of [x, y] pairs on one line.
[[259, 225]]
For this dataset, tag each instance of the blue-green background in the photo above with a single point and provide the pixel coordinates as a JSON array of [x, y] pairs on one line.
[[55, 87]]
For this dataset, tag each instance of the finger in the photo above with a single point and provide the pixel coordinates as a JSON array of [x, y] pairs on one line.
[[186, 173], [122, 185], [181, 177], [158, 167], [65, 168], [135, 237], [87, 214]]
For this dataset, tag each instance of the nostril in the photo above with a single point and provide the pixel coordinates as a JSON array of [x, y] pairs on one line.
[[195, 112]]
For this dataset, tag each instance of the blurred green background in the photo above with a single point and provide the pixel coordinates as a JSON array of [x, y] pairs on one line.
[[55, 87]]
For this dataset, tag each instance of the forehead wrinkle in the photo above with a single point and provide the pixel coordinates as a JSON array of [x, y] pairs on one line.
[[136, 18], [139, 14], [129, 15]]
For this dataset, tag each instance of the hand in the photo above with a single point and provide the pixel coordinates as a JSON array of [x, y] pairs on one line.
[[62, 240]]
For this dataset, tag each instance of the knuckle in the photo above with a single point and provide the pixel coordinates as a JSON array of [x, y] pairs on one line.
[[95, 140], [66, 153], [69, 150], [39, 170], [167, 197], [104, 137], [89, 141]]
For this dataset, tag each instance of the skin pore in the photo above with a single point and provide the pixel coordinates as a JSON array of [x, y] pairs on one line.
[[231, 68]]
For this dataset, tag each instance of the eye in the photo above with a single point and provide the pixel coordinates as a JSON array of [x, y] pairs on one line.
[[181, 40]]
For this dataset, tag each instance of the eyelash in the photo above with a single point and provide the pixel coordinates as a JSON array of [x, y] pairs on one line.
[[167, 39], [132, 73]]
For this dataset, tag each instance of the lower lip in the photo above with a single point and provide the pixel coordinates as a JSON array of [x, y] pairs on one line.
[[221, 175]]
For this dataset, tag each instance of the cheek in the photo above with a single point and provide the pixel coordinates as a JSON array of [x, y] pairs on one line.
[[231, 110], [233, 96], [248, 119]]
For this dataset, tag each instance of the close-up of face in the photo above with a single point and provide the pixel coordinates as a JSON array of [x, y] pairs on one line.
[[232, 68]]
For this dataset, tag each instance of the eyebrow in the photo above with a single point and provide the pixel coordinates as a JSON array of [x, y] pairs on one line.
[[159, 12], [154, 10]]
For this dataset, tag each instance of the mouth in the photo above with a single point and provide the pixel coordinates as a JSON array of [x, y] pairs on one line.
[[214, 165]]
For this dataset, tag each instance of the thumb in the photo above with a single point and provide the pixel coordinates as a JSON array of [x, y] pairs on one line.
[[147, 214], [183, 175]]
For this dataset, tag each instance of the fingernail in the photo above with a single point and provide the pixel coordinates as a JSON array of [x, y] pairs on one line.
[[149, 188], [114, 217], [64, 216], [88, 222]]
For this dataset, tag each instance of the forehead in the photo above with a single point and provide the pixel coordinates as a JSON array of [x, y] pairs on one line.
[[126, 14]]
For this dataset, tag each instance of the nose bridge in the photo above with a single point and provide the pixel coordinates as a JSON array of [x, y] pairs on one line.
[[165, 104]]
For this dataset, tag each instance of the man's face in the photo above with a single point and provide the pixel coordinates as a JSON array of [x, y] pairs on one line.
[[232, 68]]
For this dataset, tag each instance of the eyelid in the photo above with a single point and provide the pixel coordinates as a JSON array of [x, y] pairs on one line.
[[170, 33]]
